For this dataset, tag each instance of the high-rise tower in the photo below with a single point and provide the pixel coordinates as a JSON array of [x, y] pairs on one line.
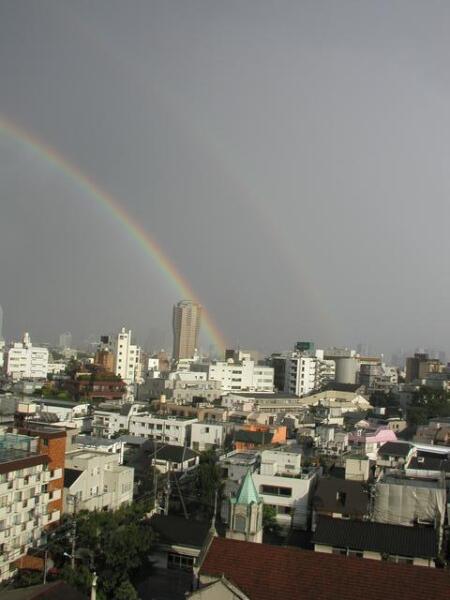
[[186, 327]]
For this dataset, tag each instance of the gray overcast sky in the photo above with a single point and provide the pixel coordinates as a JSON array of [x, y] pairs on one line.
[[292, 159]]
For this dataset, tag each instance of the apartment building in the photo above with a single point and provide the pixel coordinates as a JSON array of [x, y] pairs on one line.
[[239, 375], [95, 481], [172, 430], [127, 359], [28, 501], [26, 361]]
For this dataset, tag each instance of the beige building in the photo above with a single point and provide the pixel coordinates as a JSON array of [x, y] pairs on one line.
[[96, 481], [186, 328]]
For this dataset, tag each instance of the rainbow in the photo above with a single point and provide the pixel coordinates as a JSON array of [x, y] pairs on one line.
[[136, 232]]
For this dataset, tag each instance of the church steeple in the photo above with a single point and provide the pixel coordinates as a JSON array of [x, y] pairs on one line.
[[245, 512]]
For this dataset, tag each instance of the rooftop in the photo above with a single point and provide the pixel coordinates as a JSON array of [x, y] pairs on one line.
[[377, 537], [335, 495], [395, 449], [265, 572], [173, 529]]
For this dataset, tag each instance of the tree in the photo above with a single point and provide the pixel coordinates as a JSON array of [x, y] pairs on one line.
[[207, 479], [120, 544], [126, 591], [270, 523]]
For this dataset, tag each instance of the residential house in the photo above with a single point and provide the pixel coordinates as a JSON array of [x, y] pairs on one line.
[[96, 481], [207, 436], [340, 499], [394, 543], [394, 455], [177, 459], [254, 435], [110, 419], [179, 541], [283, 484], [368, 441]]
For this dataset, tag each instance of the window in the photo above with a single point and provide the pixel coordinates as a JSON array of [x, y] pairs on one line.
[[180, 561], [239, 523], [273, 490]]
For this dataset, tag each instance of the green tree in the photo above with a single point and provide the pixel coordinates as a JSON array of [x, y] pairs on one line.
[[270, 518], [208, 479], [120, 544], [126, 591]]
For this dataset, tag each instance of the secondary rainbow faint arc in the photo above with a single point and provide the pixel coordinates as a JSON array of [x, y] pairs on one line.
[[136, 231]]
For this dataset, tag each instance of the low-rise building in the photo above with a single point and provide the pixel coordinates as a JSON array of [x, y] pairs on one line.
[[110, 420], [207, 436], [340, 499], [284, 485], [175, 459], [100, 444], [96, 481], [172, 430], [364, 539], [369, 441], [179, 542]]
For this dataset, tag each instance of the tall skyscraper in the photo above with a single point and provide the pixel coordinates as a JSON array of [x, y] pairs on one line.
[[186, 327]]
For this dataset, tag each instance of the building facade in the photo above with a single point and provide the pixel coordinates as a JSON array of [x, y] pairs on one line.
[[186, 328], [127, 358], [27, 504], [26, 361]]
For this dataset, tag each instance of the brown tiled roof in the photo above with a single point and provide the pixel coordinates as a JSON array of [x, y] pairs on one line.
[[266, 572]]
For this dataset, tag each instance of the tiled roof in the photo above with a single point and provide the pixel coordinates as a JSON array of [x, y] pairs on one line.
[[395, 449], [344, 496], [172, 529], [265, 572], [377, 537], [175, 454]]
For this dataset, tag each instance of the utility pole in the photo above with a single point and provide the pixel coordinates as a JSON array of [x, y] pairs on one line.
[[74, 532], [166, 503], [45, 566]]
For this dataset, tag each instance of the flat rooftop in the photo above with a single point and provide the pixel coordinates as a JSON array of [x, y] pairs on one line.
[[240, 458]]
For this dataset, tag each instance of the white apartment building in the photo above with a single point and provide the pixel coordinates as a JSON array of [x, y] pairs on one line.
[[26, 361], [111, 420], [283, 484], [205, 436], [241, 375], [96, 481], [127, 358], [172, 430], [305, 372], [25, 504]]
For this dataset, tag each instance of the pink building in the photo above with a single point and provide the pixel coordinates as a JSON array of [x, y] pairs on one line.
[[368, 441]]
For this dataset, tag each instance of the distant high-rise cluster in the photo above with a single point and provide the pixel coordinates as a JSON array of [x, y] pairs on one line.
[[186, 328]]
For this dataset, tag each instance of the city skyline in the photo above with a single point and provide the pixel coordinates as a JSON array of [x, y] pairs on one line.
[[283, 177]]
